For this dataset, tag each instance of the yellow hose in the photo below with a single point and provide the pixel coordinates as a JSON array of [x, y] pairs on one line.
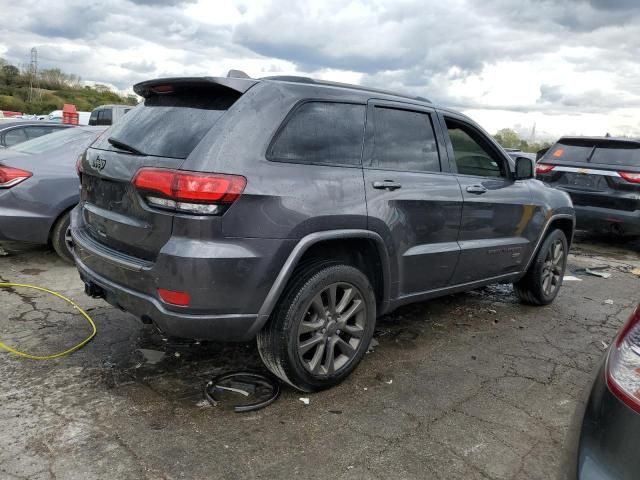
[[56, 355]]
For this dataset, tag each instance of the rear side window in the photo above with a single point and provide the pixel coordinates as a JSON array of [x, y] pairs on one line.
[[105, 117], [603, 152], [171, 125], [404, 140], [321, 132], [93, 119], [15, 136]]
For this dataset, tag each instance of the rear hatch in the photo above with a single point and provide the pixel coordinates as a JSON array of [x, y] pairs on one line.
[[160, 132], [596, 172]]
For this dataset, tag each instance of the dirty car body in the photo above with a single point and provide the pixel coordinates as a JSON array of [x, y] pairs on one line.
[[314, 174], [603, 437]]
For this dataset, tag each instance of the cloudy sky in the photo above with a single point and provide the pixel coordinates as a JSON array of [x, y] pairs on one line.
[[569, 66]]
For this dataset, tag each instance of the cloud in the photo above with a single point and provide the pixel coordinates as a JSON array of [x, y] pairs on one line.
[[538, 59]]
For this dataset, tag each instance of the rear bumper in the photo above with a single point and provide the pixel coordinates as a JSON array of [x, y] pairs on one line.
[[19, 223], [231, 328], [227, 279], [607, 220]]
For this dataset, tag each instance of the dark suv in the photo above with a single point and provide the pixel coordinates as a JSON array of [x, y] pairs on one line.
[[602, 175], [298, 211]]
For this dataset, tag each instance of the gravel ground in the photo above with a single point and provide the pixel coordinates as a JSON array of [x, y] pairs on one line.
[[469, 386]]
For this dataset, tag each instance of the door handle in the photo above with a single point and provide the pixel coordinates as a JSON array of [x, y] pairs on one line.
[[386, 185], [476, 189]]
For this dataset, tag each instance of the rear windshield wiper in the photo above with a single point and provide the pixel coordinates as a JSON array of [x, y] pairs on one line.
[[123, 146]]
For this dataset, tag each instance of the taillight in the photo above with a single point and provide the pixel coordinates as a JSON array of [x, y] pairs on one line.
[[190, 192], [173, 297], [630, 177], [79, 169], [544, 168], [10, 176], [623, 364]]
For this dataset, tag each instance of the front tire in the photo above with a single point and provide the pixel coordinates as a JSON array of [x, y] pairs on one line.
[[542, 282], [61, 238], [321, 328]]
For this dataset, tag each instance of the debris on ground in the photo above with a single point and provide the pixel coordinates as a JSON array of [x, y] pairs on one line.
[[259, 389], [372, 345], [597, 273], [608, 301], [604, 345], [571, 278], [635, 271], [152, 357], [304, 400], [389, 382], [3, 253]]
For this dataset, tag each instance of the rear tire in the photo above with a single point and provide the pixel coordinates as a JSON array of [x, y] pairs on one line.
[[542, 282], [321, 327], [60, 238]]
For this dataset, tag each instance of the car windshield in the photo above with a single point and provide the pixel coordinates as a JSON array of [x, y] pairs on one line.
[[49, 142]]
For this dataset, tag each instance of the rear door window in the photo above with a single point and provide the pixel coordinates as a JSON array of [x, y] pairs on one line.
[[170, 125], [321, 132], [404, 140], [93, 119]]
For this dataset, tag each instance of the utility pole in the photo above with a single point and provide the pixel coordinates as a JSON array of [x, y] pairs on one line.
[[33, 74]]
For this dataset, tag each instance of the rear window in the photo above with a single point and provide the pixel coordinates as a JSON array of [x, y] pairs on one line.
[[321, 132], [602, 153], [617, 156], [51, 141], [171, 125]]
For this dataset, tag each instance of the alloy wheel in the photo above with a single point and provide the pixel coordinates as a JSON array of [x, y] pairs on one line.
[[552, 268], [332, 328]]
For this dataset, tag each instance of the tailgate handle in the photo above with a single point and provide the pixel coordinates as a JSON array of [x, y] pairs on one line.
[[386, 185], [476, 189]]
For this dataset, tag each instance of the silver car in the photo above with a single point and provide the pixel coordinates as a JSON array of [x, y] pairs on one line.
[[39, 186]]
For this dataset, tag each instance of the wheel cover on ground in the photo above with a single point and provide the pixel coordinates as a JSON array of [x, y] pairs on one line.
[[332, 329]]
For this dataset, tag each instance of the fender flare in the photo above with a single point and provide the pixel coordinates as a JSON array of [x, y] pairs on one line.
[[556, 216], [298, 251]]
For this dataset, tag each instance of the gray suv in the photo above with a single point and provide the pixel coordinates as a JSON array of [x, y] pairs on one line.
[[297, 211]]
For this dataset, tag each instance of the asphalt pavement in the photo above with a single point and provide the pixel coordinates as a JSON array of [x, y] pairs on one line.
[[469, 386]]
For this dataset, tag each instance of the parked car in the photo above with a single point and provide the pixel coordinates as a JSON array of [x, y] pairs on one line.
[[13, 132], [108, 114], [39, 186], [234, 208], [603, 439], [56, 116], [602, 175], [515, 153]]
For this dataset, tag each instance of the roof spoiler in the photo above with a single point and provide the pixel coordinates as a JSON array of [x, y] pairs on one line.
[[150, 87]]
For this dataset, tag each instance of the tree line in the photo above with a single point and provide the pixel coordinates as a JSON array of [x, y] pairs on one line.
[[49, 89]]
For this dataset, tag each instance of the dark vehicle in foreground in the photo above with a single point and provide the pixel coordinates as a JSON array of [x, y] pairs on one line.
[[234, 208], [39, 186], [108, 114], [14, 132], [602, 175], [603, 439]]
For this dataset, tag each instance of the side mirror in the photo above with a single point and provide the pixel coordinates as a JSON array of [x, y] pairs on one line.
[[524, 168]]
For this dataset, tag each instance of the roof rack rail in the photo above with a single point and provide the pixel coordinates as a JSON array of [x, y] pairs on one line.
[[309, 80]]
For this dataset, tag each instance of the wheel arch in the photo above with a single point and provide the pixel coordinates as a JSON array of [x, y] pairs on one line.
[[347, 245], [53, 224], [565, 222]]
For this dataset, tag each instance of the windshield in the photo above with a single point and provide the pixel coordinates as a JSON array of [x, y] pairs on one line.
[[50, 141]]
